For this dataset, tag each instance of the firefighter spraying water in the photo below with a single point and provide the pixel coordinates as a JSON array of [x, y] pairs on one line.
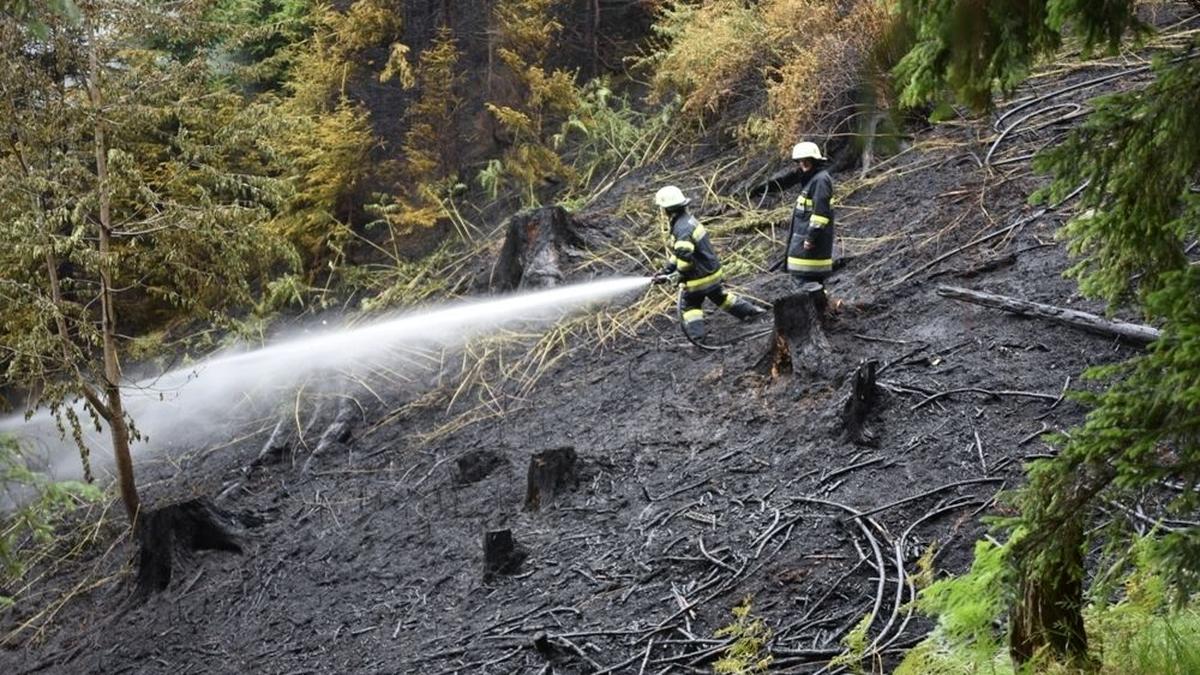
[[693, 265]]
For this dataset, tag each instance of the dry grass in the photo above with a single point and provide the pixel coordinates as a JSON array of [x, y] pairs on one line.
[[821, 69], [811, 56], [709, 52]]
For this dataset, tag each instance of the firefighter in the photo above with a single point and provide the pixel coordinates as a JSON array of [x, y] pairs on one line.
[[694, 266], [810, 243]]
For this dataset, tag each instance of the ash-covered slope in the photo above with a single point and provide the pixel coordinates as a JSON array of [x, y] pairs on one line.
[[701, 480]]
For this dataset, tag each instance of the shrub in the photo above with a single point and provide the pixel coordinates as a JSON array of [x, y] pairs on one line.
[[38, 504]]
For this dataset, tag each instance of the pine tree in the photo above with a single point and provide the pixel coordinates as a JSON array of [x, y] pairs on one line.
[[540, 100], [1140, 155], [427, 172], [324, 133]]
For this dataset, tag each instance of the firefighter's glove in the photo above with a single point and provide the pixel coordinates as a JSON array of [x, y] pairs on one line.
[[672, 278]]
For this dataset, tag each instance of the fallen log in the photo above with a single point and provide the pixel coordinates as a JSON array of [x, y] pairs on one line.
[[1130, 332]]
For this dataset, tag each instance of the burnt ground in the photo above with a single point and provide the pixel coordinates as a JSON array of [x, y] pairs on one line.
[[701, 480]]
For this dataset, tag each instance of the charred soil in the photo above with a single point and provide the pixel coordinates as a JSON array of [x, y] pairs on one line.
[[697, 479]]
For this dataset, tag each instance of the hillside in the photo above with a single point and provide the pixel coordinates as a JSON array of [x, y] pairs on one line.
[[703, 479]]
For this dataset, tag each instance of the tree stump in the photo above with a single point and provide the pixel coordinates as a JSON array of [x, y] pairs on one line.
[[534, 245], [864, 395], [174, 532], [799, 345], [550, 472], [501, 554]]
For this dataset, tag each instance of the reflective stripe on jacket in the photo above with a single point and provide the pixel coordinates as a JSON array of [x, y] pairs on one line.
[[692, 253], [812, 221]]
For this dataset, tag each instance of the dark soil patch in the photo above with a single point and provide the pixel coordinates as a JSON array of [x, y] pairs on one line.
[[476, 465]]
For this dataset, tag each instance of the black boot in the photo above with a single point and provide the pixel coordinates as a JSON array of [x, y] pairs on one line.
[[745, 310], [694, 329]]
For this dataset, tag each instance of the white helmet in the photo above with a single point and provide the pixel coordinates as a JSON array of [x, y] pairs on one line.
[[807, 150], [670, 197]]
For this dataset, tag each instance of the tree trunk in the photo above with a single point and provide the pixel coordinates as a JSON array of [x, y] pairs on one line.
[[595, 35], [550, 473], [799, 345], [1130, 332], [1049, 607], [868, 154], [115, 413]]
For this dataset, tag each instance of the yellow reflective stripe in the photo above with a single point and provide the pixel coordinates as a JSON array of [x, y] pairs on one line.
[[672, 260], [810, 264], [682, 246], [704, 281], [693, 315], [818, 221], [699, 233], [684, 265], [803, 201], [730, 298]]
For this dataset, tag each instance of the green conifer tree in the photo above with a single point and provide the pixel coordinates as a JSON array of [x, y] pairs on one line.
[[1139, 153]]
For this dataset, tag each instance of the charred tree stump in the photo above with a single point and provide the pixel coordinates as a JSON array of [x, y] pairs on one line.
[[799, 344], [534, 246], [864, 395], [550, 473], [277, 445], [501, 554], [174, 532]]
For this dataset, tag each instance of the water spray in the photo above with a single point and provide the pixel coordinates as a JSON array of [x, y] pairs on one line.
[[181, 406]]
